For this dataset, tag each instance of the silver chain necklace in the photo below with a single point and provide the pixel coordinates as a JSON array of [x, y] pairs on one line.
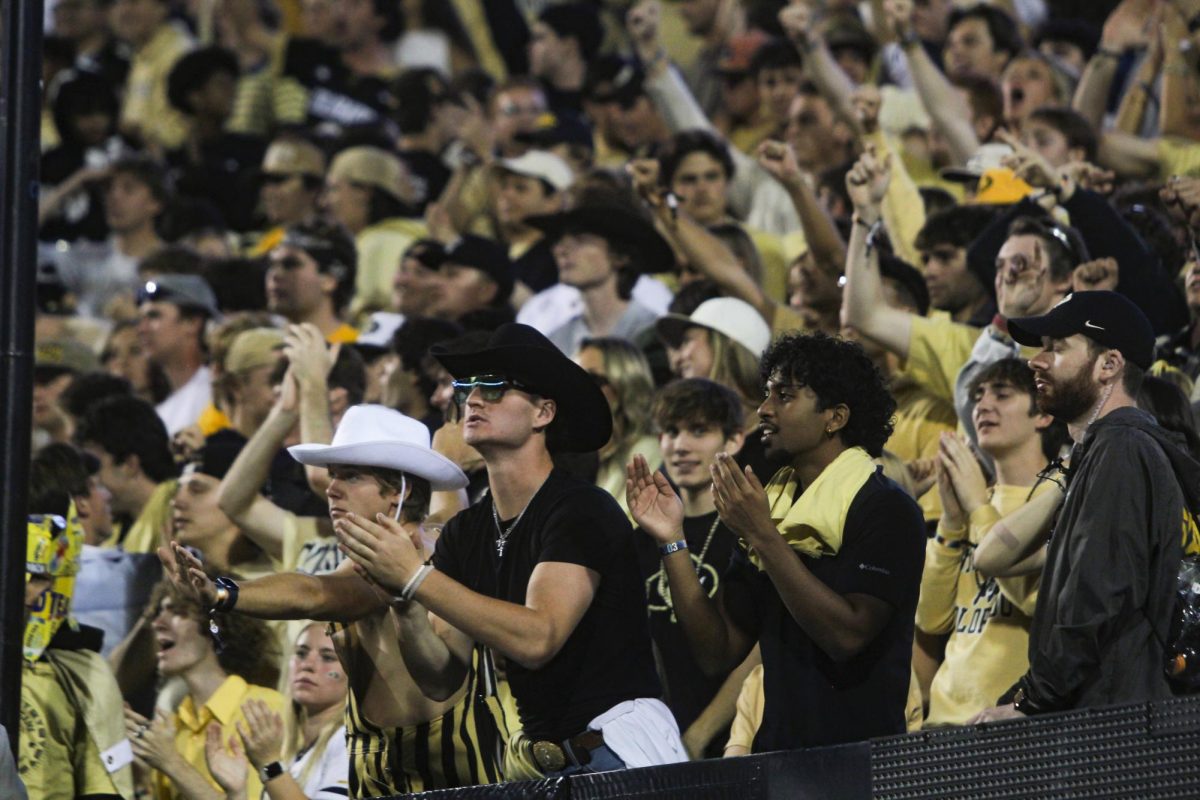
[[501, 533]]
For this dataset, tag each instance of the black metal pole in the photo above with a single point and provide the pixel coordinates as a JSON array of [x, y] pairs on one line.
[[20, 116]]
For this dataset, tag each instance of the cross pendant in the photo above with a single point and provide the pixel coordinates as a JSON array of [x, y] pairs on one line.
[[500, 548]]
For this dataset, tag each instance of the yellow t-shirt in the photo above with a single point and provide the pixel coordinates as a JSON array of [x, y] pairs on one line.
[[937, 349], [146, 108], [146, 533], [191, 726], [988, 620], [749, 714], [920, 420], [774, 266], [58, 758], [1178, 157], [748, 137]]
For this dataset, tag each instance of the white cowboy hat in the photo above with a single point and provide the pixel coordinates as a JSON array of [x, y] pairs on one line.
[[735, 318], [378, 436]]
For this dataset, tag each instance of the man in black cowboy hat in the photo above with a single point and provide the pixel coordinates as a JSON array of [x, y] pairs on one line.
[[601, 250], [543, 570]]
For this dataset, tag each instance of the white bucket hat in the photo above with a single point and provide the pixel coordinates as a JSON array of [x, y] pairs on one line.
[[734, 318], [378, 436]]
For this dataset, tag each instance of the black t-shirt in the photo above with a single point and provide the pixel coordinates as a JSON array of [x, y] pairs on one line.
[[607, 658], [688, 689], [810, 699], [338, 96]]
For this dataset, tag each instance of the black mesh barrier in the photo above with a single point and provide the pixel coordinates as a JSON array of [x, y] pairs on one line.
[[1145, 751], [827, 773], [1141, 751]]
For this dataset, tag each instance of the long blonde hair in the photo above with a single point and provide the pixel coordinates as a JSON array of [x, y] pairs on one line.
[[735, 367], [628, 373], [294, 719]]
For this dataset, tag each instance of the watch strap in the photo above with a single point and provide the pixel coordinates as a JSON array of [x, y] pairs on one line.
[[271, 771]]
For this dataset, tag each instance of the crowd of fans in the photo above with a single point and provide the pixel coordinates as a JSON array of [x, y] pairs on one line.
[[434, 393]]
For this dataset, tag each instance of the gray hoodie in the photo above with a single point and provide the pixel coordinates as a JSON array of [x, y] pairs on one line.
[[1111, 568]]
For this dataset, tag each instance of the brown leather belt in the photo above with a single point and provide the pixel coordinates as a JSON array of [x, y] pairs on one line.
[[551, 756]]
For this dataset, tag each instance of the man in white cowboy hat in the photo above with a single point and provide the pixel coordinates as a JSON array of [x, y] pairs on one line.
[[381, 466], [543, 570]]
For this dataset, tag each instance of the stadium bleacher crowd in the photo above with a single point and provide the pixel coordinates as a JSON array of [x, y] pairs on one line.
[[432, 393]]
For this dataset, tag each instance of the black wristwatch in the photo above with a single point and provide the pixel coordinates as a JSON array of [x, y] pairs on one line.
[[227, 594], [271, 771]]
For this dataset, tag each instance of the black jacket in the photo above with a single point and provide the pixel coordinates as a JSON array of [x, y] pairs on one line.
[[1111, 568]]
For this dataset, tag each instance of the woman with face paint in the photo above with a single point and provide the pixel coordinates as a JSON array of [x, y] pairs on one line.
[[297, 755]]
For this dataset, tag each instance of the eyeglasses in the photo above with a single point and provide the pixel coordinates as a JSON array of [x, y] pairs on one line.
[[491, 388]]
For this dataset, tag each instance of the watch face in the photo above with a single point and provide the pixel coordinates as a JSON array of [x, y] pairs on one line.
[[272, 770]]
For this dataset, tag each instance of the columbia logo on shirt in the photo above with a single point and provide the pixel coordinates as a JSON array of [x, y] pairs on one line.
[[873, 568]]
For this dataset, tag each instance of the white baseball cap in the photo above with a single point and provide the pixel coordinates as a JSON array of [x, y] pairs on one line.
[[543, 165]]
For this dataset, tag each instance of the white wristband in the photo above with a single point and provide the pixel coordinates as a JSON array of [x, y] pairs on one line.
[[414, 582]]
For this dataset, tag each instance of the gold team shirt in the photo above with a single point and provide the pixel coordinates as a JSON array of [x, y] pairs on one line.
[[58, 758], [191, 726], [987, 618], [146, 107], [937, 349], [920, 420], [1178, 157], [146, 533]]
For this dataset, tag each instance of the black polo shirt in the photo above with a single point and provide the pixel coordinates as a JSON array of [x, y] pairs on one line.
[[811, 700]]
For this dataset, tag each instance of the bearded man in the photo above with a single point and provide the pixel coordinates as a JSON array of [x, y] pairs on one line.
[[1108, 587]]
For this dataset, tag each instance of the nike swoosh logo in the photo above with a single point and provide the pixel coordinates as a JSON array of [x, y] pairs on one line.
[[1088, 324]]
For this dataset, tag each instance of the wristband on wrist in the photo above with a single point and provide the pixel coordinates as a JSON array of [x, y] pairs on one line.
[[414, 582], [673, 547]]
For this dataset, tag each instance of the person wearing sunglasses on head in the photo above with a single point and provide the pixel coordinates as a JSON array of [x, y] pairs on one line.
[[543, 571], [173, 312]]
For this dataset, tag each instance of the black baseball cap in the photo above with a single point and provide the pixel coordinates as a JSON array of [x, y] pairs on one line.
[[486, 255], [1107, 318]]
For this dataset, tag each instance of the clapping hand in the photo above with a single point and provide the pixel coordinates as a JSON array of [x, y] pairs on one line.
[[652, 502], [382, 548], [741, 500], [227, 766], [262, 733], [964, 472]]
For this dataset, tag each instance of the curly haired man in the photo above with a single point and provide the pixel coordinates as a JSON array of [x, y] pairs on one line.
[[827, 575]]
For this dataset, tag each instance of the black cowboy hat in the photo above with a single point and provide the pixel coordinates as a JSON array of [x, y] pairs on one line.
[[582, 423], [617, 224]]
